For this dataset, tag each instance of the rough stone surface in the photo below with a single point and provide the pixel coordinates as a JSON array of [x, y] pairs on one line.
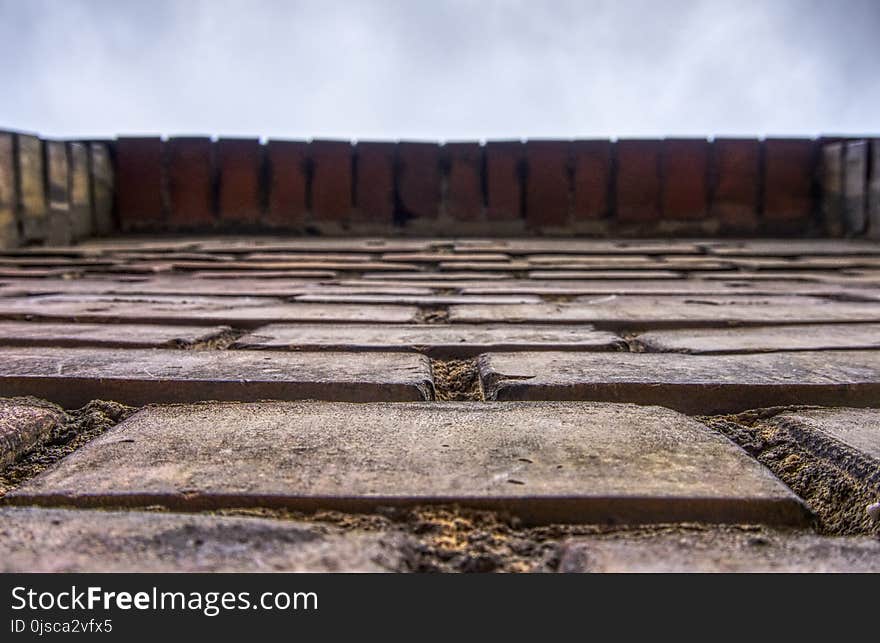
[[22, 426], [544, 462], [721, 549], [73, 376], [764, 339], [58, 540], [109, 335], [457, 340], [858, 429], [702, 384]]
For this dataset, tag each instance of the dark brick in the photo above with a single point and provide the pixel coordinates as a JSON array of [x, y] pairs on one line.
[[138, 180], [788, 181], [592, 173], [503, 181], [8, 196], [855, 186], [59, 232], [238, 164], [32, 188], [190, 182], [737, 173], [80, 191], [874, 191], [832, 174], [638, 180], [288, 177], [464, 193], [101, 175], [685, 178], [547, 183], [331, 180], [374, 188], [418, 180]]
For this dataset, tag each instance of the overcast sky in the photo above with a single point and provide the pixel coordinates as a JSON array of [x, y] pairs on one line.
[[440, 69]]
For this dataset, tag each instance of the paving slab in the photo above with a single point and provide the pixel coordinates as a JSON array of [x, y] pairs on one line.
[[73, 376], [175, 285], [578, 246], [602, 261], [306, 256], [793, 247], [315, 264], [604, 274], [325, 244], [262, 274], [696, 384], [22, 426], [13, 333], [436, 340], [62, 541], [434, 257], [857, 429], [154, 309], [759, 339], [672, 311], [545, 462], [720, 550], [320, 297], [476, 266], [15, 273], [637, 286], [434, 276]]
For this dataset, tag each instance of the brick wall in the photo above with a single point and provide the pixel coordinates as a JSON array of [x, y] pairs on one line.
[[59, 191]]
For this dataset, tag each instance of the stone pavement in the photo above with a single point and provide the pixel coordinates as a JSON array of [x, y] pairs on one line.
[[440, 405]]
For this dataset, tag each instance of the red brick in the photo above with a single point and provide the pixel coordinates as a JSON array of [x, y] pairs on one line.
[[788, 180], [418, 180], [287, 162], [638, 180], [592, 173], [685, 178], [464, 195], [190, 182], [503, 181], [547, 183], [737, 163], [139, 183], [331, 180], [238, 165], [374, 182]]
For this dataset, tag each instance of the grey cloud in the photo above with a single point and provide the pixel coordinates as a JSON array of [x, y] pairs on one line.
[[440, 70]]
